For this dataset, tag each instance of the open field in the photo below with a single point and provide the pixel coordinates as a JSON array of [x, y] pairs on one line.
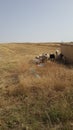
[[34, 97]]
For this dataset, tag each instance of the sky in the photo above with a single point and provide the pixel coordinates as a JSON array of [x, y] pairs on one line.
[[36, 20]]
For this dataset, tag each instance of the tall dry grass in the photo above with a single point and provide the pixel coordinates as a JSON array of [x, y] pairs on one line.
[[34, 97]]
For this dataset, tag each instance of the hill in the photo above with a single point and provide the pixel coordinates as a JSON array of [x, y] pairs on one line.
[[34, 97]]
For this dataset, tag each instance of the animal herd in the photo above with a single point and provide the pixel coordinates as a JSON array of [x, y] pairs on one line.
[[42, 58]]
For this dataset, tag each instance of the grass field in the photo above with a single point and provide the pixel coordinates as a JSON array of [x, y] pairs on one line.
[[34, 97]]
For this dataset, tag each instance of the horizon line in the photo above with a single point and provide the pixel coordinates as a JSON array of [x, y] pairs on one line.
[[37, 42]]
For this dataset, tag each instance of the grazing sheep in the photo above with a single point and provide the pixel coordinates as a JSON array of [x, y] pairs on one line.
[[39, 59], [57, 52], [36, 60], [59, 57], [62, 58], [42, 59], [47, 56], [52, 56]]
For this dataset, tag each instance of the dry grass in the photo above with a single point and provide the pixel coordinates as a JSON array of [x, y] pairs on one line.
[[33, 97]]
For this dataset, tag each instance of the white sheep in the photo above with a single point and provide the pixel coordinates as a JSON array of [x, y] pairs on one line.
[[47, 55]]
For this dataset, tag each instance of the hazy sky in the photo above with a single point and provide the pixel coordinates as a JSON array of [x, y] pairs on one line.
[[36, 20]]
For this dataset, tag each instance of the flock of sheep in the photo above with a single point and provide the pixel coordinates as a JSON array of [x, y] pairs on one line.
[[42, 58]]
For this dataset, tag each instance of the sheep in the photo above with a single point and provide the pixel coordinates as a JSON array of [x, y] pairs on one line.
[[47, 56], [52, 56], [36, 60], [57, 52], [42, 59], [59, 57]]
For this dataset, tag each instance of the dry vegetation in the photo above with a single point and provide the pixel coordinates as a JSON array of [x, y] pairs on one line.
[[34, 97]]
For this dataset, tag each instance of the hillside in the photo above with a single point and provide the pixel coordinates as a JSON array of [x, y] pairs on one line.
[[34, 97]]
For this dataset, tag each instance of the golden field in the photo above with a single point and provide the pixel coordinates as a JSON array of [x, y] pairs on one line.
[[34, 97]]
